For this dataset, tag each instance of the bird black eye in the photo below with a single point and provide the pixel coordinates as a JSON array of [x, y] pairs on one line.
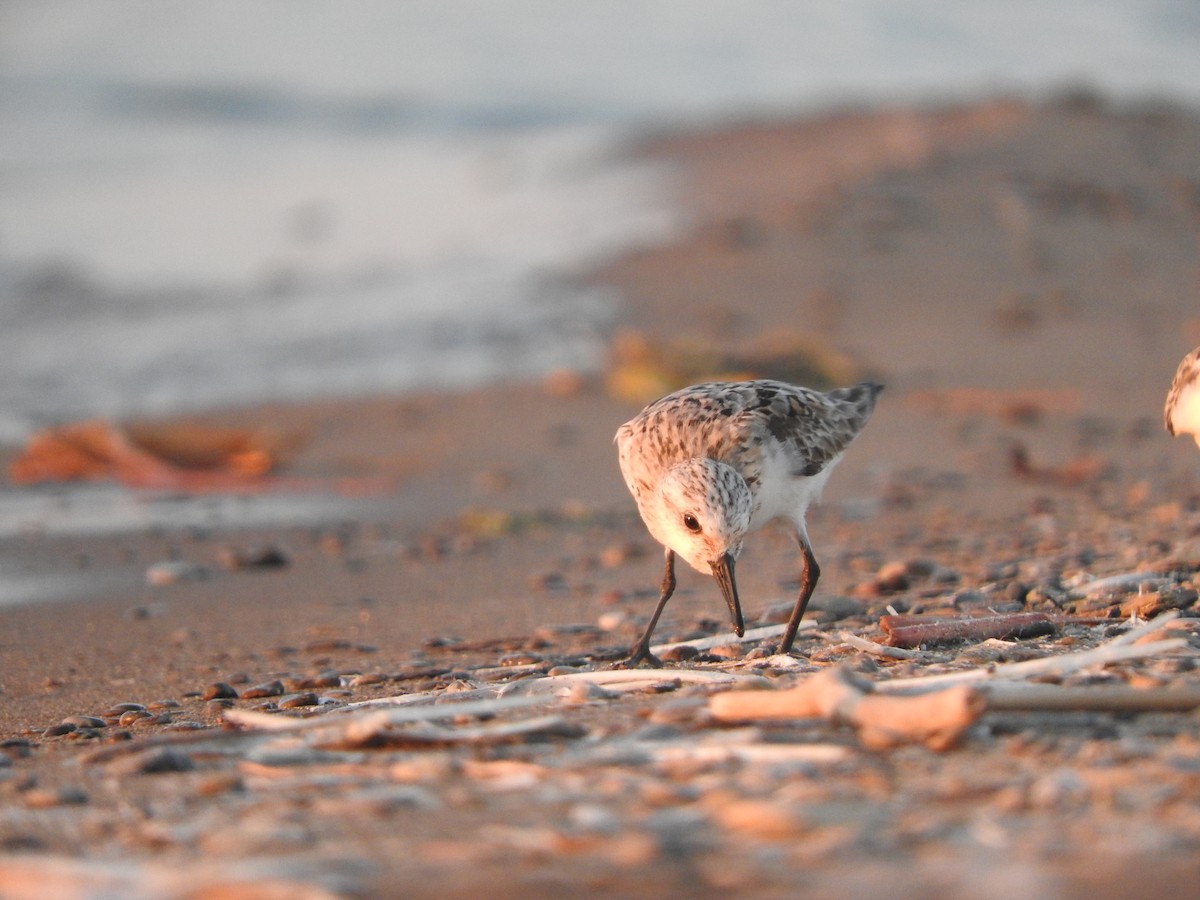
[[691, 523]]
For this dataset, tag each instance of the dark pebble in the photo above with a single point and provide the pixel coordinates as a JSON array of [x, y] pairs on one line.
[[165, 759], [368, 678], [85, 721], [662, 687], [970, 599], [324, 680], [221, 783], [58, 730], [118, 708], [44, 798], [441, 641], [235, 558], [304, 698], [679, 654], [548, 581], [838, 606], [1017, 592], [266, 689], [219, 691], [520, 658], [330, 646]]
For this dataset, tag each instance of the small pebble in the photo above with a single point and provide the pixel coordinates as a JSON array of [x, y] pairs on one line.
[[269, 557], [892, 577], [266, 689], [368, 678], [324, 680], [118, 708], [548, 581], [172, 571], [153, 762], [85, 721], [764, 819], [330, 645], [219, 691], [611, 621], [304, 698], [220, 783], [585, 692], [970, 599], [616, 554], [520, 659], [679, 653], [441, 641], [46, 798]]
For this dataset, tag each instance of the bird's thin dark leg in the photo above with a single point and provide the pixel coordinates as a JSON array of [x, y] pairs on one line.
[[809, 573], [641, 650]]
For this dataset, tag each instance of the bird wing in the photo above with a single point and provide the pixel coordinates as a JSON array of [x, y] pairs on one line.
[[813, 427]]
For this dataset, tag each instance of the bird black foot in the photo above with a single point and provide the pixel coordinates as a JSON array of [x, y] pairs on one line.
[[640, 654]]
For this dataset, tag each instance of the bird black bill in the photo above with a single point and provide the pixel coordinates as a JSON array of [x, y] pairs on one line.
[[722, 570]]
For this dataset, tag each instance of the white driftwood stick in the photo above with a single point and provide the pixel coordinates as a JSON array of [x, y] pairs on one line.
[[1060, 665], [629, 679], [1122, 582], [1110, 651], [769, 754], [358, 731], [1101, 698], [1140, 631], [859, 643], [263, 721]]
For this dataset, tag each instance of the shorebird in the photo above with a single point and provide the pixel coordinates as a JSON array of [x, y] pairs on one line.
[[711, 463], [1182, 412]]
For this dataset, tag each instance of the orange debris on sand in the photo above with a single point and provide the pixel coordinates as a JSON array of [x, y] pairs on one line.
[[190, 458]]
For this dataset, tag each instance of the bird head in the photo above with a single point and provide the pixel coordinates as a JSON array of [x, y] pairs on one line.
[[702, 512]]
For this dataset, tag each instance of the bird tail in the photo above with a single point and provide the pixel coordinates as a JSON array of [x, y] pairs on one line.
[[860, 397]]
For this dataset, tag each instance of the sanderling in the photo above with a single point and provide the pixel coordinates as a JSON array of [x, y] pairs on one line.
[[1182, 412], [710, 463]]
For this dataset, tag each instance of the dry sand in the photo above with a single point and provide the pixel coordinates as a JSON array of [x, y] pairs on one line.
[[1020, 277]]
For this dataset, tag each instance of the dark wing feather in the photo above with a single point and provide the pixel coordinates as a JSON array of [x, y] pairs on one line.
[[815, 427]]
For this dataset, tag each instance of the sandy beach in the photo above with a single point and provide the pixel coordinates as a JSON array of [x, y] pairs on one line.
[[1023, 278]]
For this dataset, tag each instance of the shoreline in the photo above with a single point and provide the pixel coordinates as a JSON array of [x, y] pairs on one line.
[[1022, 278]]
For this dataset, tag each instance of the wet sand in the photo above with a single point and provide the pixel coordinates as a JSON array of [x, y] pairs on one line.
[[1023, 279]]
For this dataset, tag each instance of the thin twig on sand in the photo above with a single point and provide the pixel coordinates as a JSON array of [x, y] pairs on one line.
[[909, 631]]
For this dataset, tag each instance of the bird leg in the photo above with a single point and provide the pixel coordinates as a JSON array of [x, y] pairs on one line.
[[809, 573], [641, 650]]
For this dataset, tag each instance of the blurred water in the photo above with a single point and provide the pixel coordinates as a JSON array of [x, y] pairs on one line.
[[222, 202]]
